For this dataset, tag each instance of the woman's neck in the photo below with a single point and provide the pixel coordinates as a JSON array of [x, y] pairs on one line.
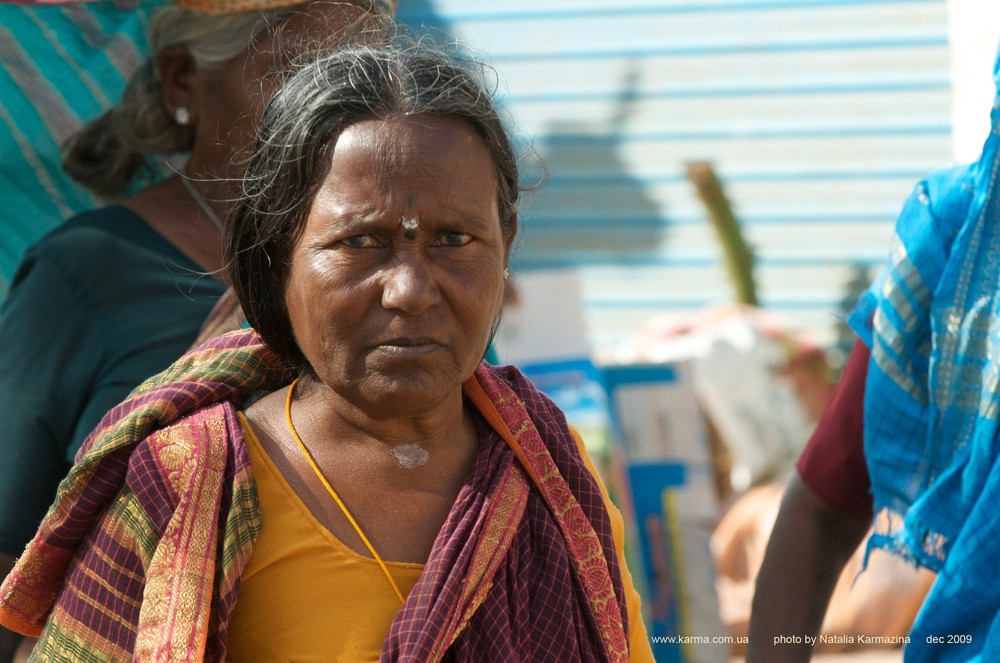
[[407, 436]]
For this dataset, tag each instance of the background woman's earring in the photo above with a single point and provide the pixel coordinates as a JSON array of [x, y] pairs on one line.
[[182, 116], [506, 273]]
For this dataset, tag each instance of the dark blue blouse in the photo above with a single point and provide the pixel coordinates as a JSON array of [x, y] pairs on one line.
[[96, 307]]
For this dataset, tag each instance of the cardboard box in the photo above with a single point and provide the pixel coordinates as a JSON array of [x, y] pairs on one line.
[[664, 476]]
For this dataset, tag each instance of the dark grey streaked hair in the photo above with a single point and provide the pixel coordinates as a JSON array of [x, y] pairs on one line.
[[292, 156]]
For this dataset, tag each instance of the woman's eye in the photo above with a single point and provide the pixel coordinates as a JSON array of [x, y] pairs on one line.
[[360, 242], [454, 238]]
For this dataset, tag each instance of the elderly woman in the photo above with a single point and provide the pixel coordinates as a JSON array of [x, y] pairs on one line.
[[346, 481]]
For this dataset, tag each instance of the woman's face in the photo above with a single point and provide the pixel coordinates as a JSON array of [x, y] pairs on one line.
[[233, 97], [397, 277]]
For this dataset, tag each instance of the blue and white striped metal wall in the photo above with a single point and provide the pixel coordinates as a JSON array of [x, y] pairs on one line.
[[818, 115]]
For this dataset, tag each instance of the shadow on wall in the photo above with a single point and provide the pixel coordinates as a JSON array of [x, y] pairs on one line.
[[591, 209]]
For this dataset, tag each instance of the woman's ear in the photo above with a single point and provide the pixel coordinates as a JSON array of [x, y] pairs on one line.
[[178, 83]]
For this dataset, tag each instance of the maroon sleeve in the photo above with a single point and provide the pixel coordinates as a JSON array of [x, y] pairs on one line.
[[833, 462]]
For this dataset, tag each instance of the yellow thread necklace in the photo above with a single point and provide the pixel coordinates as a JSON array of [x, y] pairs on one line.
[[333, 493]]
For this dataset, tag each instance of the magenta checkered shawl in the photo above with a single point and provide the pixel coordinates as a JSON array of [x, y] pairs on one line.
[[141, 555]]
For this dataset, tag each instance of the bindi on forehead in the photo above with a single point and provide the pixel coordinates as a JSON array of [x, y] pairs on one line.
[[409, 224]]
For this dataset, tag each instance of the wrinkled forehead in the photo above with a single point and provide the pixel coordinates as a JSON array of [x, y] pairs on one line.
[[409, 140], [412, 162]]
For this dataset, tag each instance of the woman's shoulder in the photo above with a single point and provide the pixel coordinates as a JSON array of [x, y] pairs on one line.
[[96, 227], [512, 376], [96, 253], [92, 237], [194, 396], [534, 399], [190, 453], [67, 255], [546, 416]]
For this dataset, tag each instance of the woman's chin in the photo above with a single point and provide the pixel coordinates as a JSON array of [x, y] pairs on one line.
[[407, 392]]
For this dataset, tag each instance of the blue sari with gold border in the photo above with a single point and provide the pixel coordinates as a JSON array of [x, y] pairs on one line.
[[932, 403]]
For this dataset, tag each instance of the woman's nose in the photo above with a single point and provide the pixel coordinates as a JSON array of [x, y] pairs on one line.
[[410, 286]]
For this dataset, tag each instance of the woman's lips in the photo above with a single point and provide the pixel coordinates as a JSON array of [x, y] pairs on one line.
[[408, 347]]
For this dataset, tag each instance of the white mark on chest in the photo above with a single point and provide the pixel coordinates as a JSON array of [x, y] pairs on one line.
[[410, 456]]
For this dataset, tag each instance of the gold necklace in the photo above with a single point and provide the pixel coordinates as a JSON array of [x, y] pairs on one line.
[[333, 493]]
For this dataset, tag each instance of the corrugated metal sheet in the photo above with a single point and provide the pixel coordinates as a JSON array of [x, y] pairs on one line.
[[818, 116]]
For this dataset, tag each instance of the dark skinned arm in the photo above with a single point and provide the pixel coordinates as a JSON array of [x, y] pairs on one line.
[[824, 516], [810, 544]]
